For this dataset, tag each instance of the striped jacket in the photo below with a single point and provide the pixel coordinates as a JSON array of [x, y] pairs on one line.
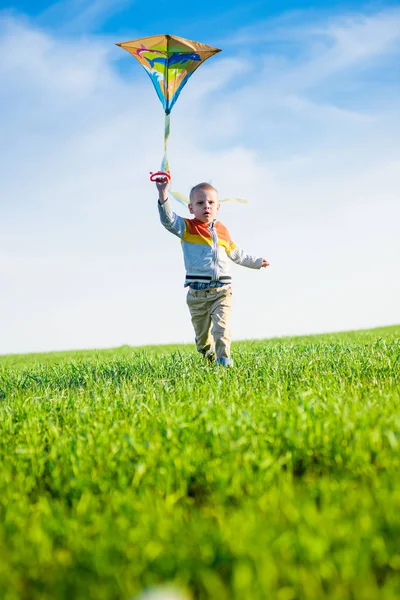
[[206, 248]]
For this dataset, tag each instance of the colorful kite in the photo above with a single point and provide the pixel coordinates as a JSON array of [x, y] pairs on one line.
[[169, 61]]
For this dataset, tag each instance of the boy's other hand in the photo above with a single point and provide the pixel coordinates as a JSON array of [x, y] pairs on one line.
[[265, 263], [162, 186]]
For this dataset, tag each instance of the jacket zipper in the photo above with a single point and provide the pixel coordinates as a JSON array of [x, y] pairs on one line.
[[215, 250]]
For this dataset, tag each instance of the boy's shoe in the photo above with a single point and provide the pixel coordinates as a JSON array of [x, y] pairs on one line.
[[225, 362], [210, 355]]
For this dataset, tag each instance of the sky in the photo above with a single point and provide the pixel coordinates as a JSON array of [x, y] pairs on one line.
[[299, 114]]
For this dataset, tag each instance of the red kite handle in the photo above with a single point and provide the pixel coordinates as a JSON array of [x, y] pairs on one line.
[[160, 176]]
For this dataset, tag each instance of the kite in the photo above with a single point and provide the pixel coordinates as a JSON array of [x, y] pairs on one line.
[[169, 61]]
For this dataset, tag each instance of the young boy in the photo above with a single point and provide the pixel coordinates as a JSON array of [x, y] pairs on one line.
[[207, 246]]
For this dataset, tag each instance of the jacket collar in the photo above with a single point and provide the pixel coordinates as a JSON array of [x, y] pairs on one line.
[[198, 222]]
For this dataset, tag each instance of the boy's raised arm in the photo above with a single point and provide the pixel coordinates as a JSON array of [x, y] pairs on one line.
[[171, 221]]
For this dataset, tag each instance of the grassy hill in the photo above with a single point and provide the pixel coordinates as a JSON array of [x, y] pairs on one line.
[[127, 468]]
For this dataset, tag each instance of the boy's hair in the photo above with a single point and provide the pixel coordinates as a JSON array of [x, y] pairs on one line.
[[201, 186]]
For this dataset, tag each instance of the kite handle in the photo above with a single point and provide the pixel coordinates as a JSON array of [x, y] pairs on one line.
[[160, 176]]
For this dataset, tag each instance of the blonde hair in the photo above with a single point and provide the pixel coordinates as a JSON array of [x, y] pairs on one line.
[[201, 186]]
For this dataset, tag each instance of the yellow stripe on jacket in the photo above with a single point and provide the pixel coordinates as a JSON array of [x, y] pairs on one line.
[[197, 232]]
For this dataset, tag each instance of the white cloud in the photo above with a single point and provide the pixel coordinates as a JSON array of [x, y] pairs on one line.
[[83, 259], [294, 55]]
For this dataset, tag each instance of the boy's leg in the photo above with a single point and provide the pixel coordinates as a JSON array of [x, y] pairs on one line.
[[201, 320], [221, 316]]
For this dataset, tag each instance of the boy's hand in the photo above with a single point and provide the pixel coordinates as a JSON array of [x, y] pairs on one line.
[[265, 263], [162, 186]]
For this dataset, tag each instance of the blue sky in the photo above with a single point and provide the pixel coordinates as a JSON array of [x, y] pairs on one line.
[[208, 17], [299, 114]]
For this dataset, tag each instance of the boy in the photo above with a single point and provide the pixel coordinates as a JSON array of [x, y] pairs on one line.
[[206, 245]]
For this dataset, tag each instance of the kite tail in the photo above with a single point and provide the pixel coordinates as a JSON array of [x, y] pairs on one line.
[[240, 200], [165, 167], [164, 163], [179, 198], [185, 201]]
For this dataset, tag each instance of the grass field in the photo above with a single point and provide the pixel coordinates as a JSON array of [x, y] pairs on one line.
[[129, 468]]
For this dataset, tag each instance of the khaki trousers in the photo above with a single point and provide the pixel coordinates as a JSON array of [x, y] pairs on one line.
[[210, 310]]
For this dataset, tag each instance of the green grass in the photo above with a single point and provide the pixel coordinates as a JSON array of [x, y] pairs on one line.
[[127, 468]]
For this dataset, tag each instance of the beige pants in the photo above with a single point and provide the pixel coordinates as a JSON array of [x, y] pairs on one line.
[[211, 311]]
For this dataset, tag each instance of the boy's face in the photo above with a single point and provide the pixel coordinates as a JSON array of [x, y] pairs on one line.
[[204, 205]]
